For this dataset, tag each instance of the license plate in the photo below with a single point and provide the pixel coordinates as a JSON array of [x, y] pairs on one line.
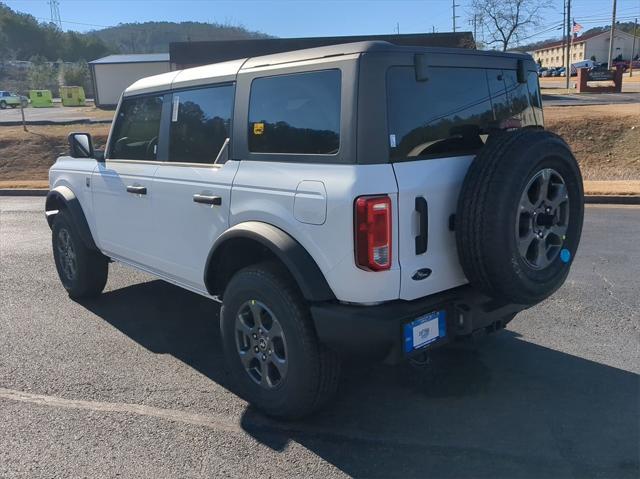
[[424, 330]]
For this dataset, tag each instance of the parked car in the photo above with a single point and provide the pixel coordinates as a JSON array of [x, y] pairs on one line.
[[12, 99], [548, 72], [360, 199], [541, 71]]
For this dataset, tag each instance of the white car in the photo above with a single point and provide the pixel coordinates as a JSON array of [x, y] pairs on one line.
[[360, 199], [13, 100]]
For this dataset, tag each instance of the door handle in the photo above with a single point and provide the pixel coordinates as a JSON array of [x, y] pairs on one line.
[[137, 190], [207, 200], [423, 217]]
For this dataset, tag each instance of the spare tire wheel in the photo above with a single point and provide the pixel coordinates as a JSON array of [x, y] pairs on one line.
[[519, 216]]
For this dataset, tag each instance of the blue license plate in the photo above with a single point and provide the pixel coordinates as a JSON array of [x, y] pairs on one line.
[[424, 330]]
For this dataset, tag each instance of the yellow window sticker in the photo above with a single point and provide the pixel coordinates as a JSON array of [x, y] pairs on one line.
[[258, 128]]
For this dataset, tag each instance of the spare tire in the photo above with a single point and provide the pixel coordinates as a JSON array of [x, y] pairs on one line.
[[519, 216]]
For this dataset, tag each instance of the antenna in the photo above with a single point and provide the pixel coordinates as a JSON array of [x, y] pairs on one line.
[[54, 6]]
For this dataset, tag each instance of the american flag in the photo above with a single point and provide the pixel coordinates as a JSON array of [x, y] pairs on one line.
[[576, 27]]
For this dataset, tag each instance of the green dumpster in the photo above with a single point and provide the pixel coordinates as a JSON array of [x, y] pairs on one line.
[[72, 95], [41, 98]]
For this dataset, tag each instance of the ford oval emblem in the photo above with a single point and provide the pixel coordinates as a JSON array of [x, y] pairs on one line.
[[421, 274]]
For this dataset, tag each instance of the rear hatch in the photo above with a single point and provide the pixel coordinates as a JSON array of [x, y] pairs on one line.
[[436, 127]]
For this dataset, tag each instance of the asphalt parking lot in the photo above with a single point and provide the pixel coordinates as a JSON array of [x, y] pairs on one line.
[[132, 384]]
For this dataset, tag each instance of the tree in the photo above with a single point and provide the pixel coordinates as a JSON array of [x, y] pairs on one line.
[[508, 21], [42, 75]]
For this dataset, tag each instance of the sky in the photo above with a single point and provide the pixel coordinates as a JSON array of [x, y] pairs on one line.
[[309, 18]]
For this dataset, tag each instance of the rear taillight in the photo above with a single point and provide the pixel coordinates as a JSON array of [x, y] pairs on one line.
[[373, 232]]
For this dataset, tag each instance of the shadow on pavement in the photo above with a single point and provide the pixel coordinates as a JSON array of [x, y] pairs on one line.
[[501, 408]]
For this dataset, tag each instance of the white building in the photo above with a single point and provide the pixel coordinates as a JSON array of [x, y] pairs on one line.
[[112, 74], [586, 47]]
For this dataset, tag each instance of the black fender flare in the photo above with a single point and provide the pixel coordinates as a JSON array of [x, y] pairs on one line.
[[298, 261], [62, 197]]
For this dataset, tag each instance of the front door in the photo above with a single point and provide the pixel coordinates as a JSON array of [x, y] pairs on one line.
[[192, 192], [122, 184]]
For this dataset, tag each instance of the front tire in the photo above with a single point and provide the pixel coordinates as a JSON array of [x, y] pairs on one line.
[[82, 271], [3, 104], [271, 346]]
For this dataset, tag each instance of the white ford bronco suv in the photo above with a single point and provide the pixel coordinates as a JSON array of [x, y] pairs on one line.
[[359, 199]]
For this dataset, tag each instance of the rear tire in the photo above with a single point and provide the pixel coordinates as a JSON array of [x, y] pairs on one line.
[[271, 346], [82, 271]]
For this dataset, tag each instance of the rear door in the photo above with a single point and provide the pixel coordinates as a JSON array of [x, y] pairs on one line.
[[435, 129], [192, 194]]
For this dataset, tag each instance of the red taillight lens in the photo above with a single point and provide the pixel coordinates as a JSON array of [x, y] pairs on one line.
[[373, 232]]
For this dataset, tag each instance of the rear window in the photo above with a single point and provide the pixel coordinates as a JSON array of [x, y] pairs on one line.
[[453, 111], [445, 115], [296, 113]]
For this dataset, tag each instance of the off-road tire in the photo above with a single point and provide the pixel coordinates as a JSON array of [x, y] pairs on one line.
[[488, 208], [313, 370], [91, 267]]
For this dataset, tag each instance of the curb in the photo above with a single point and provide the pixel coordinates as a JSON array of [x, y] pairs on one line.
[[23, 192], [612, 200], [591, 199]]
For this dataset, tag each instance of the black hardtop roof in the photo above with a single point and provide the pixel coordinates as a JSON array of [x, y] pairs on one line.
[[368, 47]]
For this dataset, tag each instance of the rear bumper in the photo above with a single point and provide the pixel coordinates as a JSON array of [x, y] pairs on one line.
[[377, 331]]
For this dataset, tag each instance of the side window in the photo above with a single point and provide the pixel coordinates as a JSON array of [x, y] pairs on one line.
[[510, 99], [200, 123], [296, 113], [135, 133], [499, 98], [534, 96], [518, 95], [443, 116]]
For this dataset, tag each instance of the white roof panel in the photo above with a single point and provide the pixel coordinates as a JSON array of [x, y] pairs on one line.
[[215, 73], [151, 84]]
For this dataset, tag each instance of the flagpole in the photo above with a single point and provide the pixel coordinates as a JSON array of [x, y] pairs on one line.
[[567, 69]]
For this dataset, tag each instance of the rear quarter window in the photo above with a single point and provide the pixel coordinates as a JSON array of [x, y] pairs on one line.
[[295, 113]]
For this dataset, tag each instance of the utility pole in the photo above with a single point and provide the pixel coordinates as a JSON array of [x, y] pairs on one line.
[[398, 27], [613, 30], [633, 48], [567, 70], [564, 29], [474, 23], [454, 16]]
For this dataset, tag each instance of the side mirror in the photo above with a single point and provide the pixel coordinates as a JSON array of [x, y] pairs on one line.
[[81, 145]]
